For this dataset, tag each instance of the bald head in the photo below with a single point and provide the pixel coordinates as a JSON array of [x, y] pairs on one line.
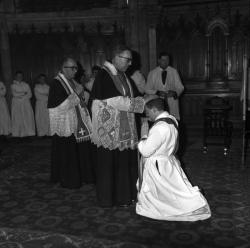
[[69, 68], [67, 61]]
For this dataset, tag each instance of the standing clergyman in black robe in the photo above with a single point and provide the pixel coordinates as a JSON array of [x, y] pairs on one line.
[[70, 126], [114, 131]]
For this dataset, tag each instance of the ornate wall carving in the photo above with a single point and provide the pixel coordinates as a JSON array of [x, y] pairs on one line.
[[207, 42], [43, 53], [207, 39], [206, 48], [59, 5]]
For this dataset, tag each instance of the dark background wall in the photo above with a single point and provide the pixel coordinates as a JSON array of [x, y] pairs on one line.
[[207, 41]]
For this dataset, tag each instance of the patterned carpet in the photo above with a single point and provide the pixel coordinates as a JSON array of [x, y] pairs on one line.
[[35, 213]]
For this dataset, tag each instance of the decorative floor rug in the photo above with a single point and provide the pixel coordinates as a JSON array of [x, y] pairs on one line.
[[35, 213]]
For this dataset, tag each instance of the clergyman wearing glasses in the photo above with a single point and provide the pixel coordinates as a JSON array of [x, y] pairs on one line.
[[70, 126], [114, 131]]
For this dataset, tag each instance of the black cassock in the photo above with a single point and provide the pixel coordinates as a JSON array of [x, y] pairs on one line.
[[71, 163], [116, 171]]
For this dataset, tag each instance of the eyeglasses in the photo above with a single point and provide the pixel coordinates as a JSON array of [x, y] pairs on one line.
[[129, 59], [72, 67]]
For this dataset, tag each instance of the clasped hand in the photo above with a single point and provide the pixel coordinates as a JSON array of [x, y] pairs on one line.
[[167, 94], [144, 127], [79, 89]]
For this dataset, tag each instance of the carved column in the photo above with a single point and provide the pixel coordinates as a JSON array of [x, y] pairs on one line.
[[152, 47], [5, 56], [9, 5], [207, 68], [132, 36], [144, 40], [226, 58], [217, 69], [137, 35]]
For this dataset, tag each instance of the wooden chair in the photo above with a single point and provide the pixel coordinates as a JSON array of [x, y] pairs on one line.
[[217, 128]]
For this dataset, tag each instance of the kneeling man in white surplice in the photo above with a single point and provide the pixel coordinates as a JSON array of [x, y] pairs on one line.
[[164, 192]]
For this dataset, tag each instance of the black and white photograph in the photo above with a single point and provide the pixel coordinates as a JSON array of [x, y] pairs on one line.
[[124, 124]]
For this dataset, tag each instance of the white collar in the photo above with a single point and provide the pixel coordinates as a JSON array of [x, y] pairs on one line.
[[163, 69], [17, 82], [111, 68], [64, 78]]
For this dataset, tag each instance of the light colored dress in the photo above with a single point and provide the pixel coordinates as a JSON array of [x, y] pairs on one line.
[[41, 112], [5, 124], [22, 116], [166, 193]]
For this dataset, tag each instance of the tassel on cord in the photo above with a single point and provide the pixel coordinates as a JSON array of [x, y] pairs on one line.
[[83, 139]]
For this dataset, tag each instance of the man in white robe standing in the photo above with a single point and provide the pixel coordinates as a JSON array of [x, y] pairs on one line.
[[165, 82], [164, 192]]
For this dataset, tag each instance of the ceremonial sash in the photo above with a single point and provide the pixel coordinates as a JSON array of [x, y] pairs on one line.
[[83, 130], [168, 121], [123, 86]]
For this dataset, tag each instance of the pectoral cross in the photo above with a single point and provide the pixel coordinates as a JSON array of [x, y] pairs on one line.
[[82, 132]]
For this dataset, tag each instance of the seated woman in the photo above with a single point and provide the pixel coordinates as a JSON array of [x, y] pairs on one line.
[[164, 192]]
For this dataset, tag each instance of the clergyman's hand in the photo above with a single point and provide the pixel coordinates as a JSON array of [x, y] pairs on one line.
[[162, 94], [79, 89], [144, 128], [172, 93]]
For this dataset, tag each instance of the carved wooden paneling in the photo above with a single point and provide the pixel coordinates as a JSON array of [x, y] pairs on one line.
[[236, 49], [59, 5], [181, 55], [206, 47], [179, 51], [36, 53], [217, 55], [197, 57]]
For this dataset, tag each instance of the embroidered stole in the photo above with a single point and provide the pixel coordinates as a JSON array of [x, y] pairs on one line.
[[82, 132], [125, 89], [168, 121]]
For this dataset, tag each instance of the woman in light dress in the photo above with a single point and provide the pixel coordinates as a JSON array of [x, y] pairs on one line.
[[5, 124], [22, 115], [41, 91]]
